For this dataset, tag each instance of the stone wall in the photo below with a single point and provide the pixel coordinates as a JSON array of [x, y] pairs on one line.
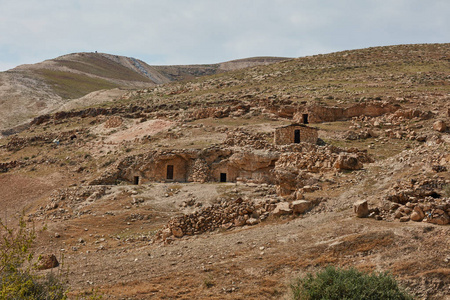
[[287, 134], [318, 113]]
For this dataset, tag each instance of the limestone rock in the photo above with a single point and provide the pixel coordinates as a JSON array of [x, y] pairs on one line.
[[177, 232], [301, 206], [439, 126], [48, 261], [282, 209], [298, 195], [398, 214], [252, 221], [239, 221], [417, 214], [443, 219], [166, 233], [348, 162], [404, 219], [361, 209]]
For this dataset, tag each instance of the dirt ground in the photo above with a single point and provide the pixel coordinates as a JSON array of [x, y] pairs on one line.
[[121, 259]]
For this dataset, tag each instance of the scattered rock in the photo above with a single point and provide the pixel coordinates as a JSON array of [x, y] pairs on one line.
[[348, 162], [440, 126], [361, 209], [252, 221], [177, 232], [417, 214], [301, 206], [440, 219], [282, 208], [404, 219], [47, 261]]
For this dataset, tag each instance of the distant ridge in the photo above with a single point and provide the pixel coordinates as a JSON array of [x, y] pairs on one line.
[[33, 89]]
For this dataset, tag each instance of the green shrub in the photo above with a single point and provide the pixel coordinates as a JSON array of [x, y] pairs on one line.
[[18, 279], [339, 284]]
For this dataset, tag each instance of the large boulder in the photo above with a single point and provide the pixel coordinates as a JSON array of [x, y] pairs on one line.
[[282, 209], [361, 209], [348, 162], [417, 214], [48, 261], [253, 160], [301, 206], [440, 126], [439, 217]]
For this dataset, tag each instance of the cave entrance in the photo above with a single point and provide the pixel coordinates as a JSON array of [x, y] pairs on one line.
[[223, 177], [169, 172], [305, 118], [297, 136], [136, 180]]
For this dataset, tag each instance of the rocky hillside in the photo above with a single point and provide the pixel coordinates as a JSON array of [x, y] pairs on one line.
[[230, 185], [30, 90]]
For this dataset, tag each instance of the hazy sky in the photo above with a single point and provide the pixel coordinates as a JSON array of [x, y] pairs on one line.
[[211, 31]]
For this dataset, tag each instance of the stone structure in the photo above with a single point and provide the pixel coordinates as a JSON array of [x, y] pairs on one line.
[[190, 165], [290, 167], [319, 113], [295, 133]]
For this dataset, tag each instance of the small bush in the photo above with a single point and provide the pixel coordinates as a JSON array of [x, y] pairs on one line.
[[18, 279], [339, 284]]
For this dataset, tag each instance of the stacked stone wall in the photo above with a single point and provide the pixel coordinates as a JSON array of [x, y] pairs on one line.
[[286, 135]]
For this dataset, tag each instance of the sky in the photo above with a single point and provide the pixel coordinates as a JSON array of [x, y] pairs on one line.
[[171, 32]]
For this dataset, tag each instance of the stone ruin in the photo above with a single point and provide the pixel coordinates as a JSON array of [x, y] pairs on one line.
[[321, 113], [290, 167], [229, 214], [418, 200], [295, 133]]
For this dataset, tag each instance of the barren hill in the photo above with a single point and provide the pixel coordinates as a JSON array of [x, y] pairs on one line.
[[231, 185], [29, 90]]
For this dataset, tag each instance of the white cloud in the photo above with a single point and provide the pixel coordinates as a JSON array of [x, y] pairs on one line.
[[204, 31]]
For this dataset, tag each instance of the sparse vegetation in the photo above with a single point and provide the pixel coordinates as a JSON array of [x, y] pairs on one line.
[[209, 282], [115, 234], [337, 284], [18, 279]]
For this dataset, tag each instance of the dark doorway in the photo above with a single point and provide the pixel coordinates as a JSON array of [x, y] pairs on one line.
[[136, 179], [305, 118], [297, 136], [169, 171], [223, 177]]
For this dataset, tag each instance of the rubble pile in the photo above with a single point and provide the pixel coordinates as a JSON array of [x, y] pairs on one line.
[[16, 143], [69, 202], [232, 213], [417, 200], [393, 126], [294, 169], [113, 122], [319, 159], [226, 214], [4, 167], [241, 138]]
